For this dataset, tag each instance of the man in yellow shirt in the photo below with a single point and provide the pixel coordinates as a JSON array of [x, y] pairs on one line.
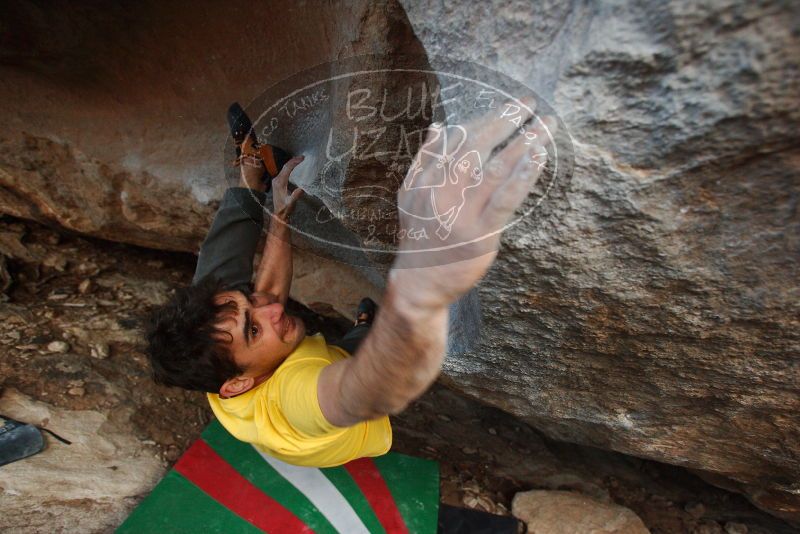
[[196, 343], [297, 397]]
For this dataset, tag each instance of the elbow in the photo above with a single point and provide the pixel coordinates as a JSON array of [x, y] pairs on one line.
[[398, 397], [383, 408], [393, 406]]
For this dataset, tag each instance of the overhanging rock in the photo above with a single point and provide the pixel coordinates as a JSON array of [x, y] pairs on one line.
[[653, 310]]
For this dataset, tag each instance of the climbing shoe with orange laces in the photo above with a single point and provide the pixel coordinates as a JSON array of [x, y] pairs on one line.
[[247, 145]]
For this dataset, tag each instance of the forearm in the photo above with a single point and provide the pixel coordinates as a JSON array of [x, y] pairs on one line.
[[274, 274], [398, 361]]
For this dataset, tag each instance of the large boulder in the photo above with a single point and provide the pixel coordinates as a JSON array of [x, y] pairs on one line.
[[653, 307], [114, 119], [649, 307]]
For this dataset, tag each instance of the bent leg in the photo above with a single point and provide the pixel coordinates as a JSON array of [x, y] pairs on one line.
[[353, 338]]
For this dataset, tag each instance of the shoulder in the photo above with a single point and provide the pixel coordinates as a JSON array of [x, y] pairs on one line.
[[294, 386], [313, 350]]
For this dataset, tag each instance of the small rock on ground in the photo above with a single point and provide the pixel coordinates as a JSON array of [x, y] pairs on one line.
[[58, 346], [564, 512], [735, 528]]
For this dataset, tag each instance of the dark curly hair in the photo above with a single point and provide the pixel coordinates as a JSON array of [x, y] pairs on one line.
[[181, 344]]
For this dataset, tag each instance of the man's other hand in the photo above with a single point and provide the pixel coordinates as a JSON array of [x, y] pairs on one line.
[[457, 198]]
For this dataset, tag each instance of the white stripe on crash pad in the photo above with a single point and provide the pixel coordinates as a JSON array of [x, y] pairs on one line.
[[322, 493]]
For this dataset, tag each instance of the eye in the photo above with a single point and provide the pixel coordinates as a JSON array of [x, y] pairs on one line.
[[254, 331]]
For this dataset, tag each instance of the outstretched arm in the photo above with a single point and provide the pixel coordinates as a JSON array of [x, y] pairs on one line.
[[403, 354], [274, 274]]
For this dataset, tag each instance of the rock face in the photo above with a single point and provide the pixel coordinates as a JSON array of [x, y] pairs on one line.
[[651, 305], [87, 486], [564, 512], [115, 121]]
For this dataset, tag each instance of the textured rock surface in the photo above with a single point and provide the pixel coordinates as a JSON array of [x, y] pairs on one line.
[[114, 120], [650, 307], [87, 486], [564, 512]]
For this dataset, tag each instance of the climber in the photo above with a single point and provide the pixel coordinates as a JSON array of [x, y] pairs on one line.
[[298, 397]]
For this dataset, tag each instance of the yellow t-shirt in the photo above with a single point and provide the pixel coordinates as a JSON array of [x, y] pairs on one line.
[[281, 416]]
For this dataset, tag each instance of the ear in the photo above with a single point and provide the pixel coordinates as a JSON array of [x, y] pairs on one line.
[[236, 386]]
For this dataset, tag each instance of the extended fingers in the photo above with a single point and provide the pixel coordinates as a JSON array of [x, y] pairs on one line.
[[526, 148], [296, 194], [543, 131], [502, 164], [529, 144], [493, 128], [290, 202], [283, 177], [511, 192]]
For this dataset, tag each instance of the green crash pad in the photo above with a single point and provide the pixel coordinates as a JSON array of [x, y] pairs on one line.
[[224, 485]]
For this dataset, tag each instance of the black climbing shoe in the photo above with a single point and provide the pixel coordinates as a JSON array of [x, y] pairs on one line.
[[454, 520], [367, 309], [239, 124], [18, 440], [247, 144]]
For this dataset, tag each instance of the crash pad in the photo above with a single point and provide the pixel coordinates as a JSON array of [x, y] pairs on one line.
[[224, 485]]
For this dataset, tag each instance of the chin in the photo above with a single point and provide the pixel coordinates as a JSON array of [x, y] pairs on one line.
[[301, 330]]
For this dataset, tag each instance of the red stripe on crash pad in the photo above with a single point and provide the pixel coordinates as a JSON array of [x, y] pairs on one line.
[[375, 490], [209, 472]]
